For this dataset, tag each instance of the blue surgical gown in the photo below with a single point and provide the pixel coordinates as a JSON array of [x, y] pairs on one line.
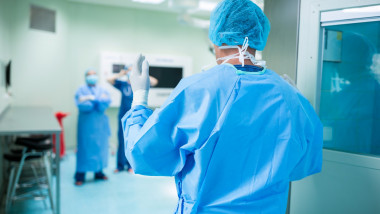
[[93, 129], [232, 139], [126, 102]]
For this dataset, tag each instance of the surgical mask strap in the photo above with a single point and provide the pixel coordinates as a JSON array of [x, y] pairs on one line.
[[243, 51], [227, 58], [242, 55]]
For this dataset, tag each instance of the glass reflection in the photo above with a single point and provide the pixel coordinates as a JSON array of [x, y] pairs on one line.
[[350, 90]]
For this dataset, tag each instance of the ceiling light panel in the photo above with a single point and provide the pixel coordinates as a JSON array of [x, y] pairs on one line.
[[149, 1]]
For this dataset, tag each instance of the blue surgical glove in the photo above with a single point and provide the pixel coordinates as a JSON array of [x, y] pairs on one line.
[[140, 81]]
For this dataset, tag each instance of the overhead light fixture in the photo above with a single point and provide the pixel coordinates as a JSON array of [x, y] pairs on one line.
[[184, 4], [206, 5], [149, 1], [371, 9]]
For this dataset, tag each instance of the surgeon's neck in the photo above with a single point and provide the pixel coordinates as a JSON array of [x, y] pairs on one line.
[[219, 53]]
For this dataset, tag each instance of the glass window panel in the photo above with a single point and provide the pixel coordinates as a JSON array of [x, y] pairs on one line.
[[350, 88]]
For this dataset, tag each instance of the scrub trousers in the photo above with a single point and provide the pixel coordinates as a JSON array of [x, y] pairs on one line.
[[121, 161]]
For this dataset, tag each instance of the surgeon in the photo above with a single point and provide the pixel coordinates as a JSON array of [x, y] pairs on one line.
[[122, 83], [233, 136], [93, 129]]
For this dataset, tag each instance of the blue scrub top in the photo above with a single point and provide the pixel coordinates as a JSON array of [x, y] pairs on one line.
[[126, 96], [233, 140], [249, 68]]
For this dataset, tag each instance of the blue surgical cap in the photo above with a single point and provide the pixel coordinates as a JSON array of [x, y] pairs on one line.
[[233, 20], [88, 70]]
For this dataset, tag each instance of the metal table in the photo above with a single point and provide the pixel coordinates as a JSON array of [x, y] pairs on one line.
[[33, 120]]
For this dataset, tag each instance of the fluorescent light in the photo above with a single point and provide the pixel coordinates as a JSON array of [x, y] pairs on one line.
[[149, 1], [206, 5], [372, 9]]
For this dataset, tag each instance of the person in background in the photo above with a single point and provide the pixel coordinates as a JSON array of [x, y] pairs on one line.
[[121, 82], [126, 101], [233, 136], [93, 129]]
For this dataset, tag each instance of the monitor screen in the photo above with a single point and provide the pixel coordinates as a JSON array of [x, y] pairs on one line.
[[2, 77], [168, 77], [116, 68], [8, 74]]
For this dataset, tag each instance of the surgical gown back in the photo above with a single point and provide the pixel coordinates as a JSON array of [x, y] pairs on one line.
[[93, 129], [233, 140]]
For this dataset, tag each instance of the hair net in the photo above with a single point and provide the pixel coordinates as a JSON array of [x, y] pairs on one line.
[[233, 20]]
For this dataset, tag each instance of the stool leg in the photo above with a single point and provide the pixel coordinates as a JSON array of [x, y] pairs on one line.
[[14, 186], [8, 199], [48, 178], [38, 183]]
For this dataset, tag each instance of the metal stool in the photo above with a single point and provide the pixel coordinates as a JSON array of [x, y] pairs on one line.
[[34, 150]]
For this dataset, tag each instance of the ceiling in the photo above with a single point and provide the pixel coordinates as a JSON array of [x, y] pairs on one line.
[[164, 6]]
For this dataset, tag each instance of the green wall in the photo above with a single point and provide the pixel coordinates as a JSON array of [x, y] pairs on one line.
[[49, 67], [4, 48], [281, 49], [4, 56], [4, 30]]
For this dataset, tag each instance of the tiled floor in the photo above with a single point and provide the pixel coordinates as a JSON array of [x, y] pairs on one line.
[[123, 193]]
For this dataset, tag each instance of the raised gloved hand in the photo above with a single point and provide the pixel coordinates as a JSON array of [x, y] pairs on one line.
[[140, 81]]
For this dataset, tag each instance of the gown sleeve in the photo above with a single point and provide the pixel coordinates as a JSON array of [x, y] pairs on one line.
[[311, 143], [158, 143], [84, 106], [103, 101], [118, 84]]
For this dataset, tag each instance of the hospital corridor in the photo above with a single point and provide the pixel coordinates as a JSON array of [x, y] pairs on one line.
[[190, 106]]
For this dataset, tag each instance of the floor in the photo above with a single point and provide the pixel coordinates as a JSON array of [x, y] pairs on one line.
[[122, 193]]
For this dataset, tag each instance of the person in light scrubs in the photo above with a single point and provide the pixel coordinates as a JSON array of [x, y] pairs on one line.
[[93, 129], [233, 136]]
